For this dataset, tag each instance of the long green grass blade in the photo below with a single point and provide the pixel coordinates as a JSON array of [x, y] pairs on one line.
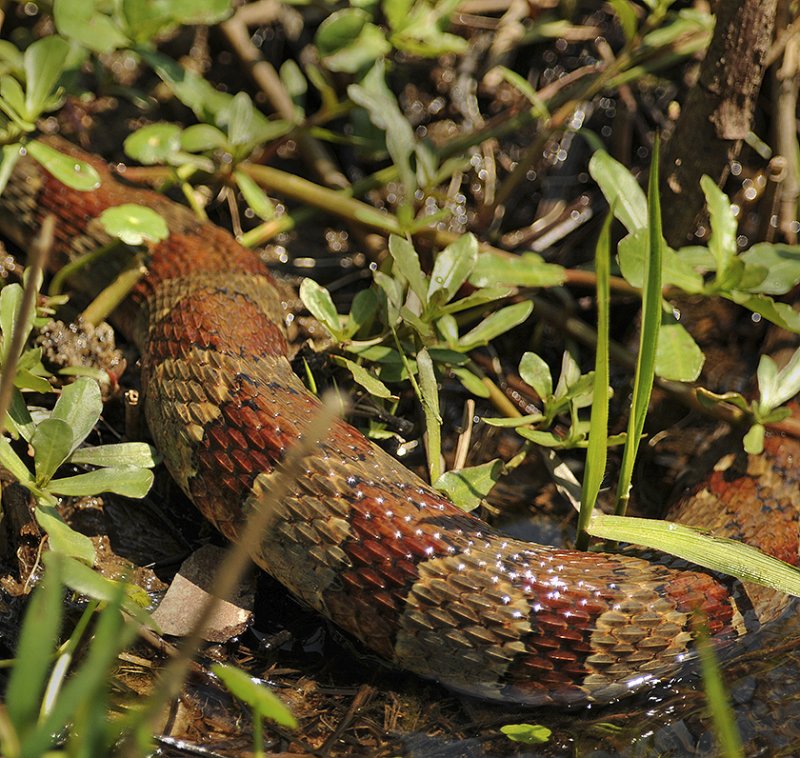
[[597, 450], [719, 704], [696, 545], [648, 341]]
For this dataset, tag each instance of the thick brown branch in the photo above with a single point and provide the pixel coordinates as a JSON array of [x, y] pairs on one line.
[[718, 112]]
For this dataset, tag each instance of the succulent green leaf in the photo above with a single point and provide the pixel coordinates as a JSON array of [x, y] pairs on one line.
[[52, 444], [496, 324], [129, 481], [134, 224], [79, 405], [782, 264], [254, 196], [154, 143], [621, 190], [63, 539], [467, 487], [318, 301], [87, 25], [361, 376], [121, 454], [452, 267], [73, 172], [526, 270], [407, 263], [722, 243], [678, 356], [528, 734], [44, 63], [536, 373]]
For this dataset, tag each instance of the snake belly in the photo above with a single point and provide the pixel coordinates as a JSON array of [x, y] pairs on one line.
[[365, 542]]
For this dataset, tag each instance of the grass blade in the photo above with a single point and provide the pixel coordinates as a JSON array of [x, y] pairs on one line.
[[597, 450], [648, 340]]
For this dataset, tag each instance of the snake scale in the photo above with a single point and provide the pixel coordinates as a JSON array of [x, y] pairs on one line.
[[364, 541]]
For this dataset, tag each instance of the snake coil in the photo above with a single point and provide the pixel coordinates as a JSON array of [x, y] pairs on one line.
[[360, 538]]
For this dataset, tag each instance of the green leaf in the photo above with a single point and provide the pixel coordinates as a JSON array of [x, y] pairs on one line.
[[138, 454], [10, 461], [154, 143], [392, 290], [10, 304], [20, 415], [319, 303], [447, 327], [193, 12], [675, 269], [452, 267], [84, 23], [52, 444], [361, 376], [782, 263], [9, 156], [349, 42], [469, 380], [362, 311], [134, 224], [621, 190], [788, 380], [753, 441], [722, 243], [696, 545], [83, 579], [201, 138], [678, 356], [191, 89], [73, 172], [44, 63], [374, 95], [516, 421], [538, 105], [467, 487], [526, 270], [626, 13], [64, 539], [11, 91], [536, 373], [254, 196], [768, 383], [495, 324], [479, 297], [406, 261], [79, 405], [529, 734], [123, 480], [38, 639], [708, 399], [240, 119], [145, 19], [448, 357], [260, 698], [422, 327], [781, 314]]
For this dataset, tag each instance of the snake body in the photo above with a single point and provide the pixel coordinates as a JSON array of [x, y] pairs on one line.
[[364, 541]]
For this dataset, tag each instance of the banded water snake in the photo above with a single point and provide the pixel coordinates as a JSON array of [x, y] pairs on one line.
[[364, 541]]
